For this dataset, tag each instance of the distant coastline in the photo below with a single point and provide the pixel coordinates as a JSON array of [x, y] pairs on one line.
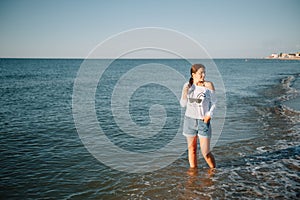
[[284, 56]]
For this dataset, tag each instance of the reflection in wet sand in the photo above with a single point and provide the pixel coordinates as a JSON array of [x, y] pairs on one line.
[[198, 181]]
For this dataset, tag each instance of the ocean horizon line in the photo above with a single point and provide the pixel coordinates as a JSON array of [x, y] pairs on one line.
[[133, 58]]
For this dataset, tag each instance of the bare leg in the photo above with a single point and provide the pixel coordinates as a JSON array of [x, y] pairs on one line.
[[192, 148], [205, 149]]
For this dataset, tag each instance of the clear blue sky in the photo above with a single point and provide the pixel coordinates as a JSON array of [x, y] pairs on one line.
[[72, 28]]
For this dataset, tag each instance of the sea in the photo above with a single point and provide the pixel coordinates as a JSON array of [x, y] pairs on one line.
[[44, 153]]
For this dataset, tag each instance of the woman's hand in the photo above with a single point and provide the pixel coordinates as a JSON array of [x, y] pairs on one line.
[[206, 119]]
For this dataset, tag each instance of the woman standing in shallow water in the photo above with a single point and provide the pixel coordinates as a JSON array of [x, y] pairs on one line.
[[198, 96]]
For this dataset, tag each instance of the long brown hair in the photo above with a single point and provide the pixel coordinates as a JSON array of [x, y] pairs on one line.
[[194, 69]]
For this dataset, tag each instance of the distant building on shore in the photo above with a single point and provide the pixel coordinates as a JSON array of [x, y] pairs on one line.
[[288, 56]]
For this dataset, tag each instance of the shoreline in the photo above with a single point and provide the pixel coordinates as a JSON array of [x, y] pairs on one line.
[[282, 58]]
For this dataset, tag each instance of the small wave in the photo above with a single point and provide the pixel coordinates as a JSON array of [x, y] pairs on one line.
[[281, 100], [287, 84], [290, 100]]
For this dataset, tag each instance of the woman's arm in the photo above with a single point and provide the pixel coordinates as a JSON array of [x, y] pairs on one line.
[[213, 101], [185, 89]]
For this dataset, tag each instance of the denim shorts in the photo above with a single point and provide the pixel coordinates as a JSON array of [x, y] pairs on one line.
[[193, 127]]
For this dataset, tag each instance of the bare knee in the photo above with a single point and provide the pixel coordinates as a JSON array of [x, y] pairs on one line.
[[192, 144]]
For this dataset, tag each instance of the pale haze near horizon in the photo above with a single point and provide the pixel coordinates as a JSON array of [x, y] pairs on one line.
[[72, 29]]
